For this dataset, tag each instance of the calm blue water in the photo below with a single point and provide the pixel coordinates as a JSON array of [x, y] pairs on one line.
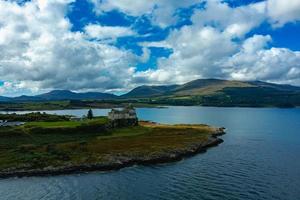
[[260, 159]]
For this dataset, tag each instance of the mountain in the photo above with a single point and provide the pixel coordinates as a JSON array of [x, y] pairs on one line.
[[26, 98], [149, 91], [56, 95], [205, 87], [4, 99], [192, 88], [217, 92], [282, 87], [97, 95], [69, 95], [206, 92], [59, 95]]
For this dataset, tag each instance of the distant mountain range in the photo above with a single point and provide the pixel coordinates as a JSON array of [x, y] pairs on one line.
[[56, 95], [205, 87], [213, 92]]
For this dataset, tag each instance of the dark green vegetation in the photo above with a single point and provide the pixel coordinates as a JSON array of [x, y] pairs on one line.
[[58, 95], [34, 105], [205, 92], [90, 114], [69, 104], [34, 116], [50, 145], [215, 92]]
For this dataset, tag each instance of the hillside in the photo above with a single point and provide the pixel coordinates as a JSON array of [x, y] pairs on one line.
[[148, 91], [57, 95], [207, 87], [206, 92], [216, 92], [203, 87], [193, 88], [69, 95], [2, 98]]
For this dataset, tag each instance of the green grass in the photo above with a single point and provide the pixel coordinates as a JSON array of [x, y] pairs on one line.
[[42, 144], [67, 124], [127, 132], [53, 124], [61, 105]]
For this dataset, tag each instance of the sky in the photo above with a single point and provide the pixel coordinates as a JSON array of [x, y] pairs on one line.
[[116, 45]]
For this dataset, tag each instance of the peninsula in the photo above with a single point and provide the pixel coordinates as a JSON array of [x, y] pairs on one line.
[[51, 144]]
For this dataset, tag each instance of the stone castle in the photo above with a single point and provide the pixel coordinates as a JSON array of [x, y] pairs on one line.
[[122, 118]]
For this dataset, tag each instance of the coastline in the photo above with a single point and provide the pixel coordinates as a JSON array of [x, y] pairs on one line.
[[163, 106], [121, 162]]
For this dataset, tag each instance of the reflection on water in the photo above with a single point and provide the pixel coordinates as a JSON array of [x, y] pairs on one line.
[[258, 160]]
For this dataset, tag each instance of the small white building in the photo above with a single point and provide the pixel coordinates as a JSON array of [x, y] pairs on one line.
[[74, 118]]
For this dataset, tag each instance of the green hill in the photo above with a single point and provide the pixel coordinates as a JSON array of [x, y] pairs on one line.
[[149, 91], [206, 92], [216, 92]]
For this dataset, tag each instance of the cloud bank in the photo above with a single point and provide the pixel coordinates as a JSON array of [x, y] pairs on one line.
[[40, 51]]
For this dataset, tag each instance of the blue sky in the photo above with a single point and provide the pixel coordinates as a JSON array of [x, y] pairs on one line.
[[116, 45], [82, 14]]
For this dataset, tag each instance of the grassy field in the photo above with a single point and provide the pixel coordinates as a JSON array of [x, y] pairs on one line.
[[66, 124], [68, 104], [38, 145]]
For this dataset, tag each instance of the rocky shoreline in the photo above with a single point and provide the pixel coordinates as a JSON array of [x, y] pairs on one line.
[[121, 162]]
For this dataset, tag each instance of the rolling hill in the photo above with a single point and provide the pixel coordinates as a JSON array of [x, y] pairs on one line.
[[149, 91], [216, 92], [206, 92], [56, 95], [203, 87], [69, 95], [2, 98]]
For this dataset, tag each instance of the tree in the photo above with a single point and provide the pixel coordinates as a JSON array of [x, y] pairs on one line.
[[90, 114]]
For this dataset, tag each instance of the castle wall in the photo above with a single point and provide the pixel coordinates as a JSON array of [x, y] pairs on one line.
[[118, 123], [123, 118]]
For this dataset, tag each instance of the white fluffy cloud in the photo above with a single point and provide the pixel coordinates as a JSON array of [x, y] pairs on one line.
[[107, 32], [213, 54], [38, 49], [164, 12], [235, 22], [160, 12], [209, 48], [196, 53], [283, 11], [255, 61]]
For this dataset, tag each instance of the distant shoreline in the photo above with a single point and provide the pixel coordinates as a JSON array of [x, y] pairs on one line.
[[148, 106]]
